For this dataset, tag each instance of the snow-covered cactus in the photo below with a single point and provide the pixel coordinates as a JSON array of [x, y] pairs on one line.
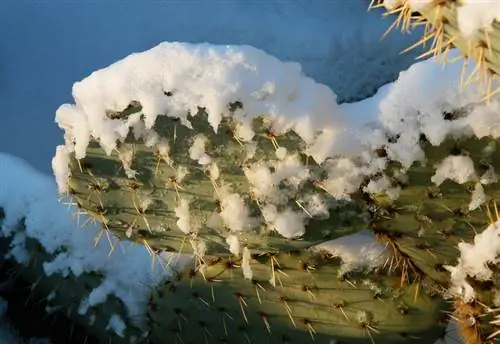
[[469, 25], [237, 158]]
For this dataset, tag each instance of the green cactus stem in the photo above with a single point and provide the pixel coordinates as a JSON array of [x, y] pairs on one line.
[[295, 297]]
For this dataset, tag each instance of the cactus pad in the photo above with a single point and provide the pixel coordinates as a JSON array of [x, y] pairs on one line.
[[292, 298]]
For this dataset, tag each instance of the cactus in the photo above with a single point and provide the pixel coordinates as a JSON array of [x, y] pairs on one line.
[[277, 274], [257, 209], [448, 26]]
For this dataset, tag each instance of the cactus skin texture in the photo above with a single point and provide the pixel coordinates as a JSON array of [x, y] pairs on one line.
[[443, 34], [64, 294], [102, 188], [309, 303]]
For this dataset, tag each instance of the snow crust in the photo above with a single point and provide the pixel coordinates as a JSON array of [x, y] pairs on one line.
[[198, 75]]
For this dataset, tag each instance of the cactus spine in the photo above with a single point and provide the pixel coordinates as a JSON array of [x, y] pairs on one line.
[[447, 27]]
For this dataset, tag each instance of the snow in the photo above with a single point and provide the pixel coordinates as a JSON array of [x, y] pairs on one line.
[[411, 106], [357, 251], [117, 325], [459, 168], [50, 44], [476, 15]]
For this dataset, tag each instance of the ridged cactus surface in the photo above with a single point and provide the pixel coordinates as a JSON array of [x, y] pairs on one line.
[[295, 297]]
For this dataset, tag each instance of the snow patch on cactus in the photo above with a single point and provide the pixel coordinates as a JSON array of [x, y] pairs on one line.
[[175, 79], [235, 212], [357, 251], [117, 325], [473, 261], [458, 168]]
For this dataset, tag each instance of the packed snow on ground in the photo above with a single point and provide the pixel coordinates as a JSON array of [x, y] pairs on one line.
[[48, 45]]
